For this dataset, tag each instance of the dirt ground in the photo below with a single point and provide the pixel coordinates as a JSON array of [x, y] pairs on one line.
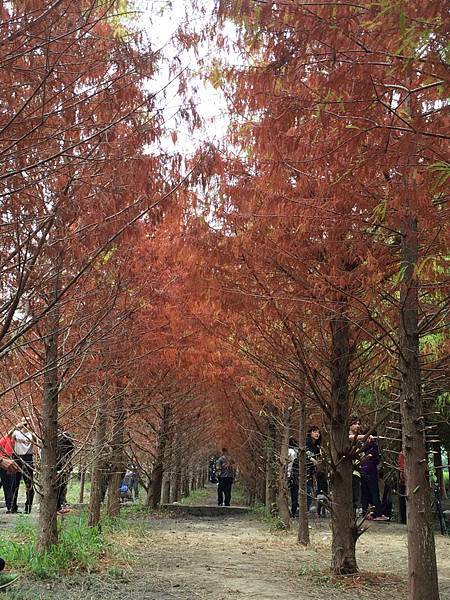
[[171, 558]]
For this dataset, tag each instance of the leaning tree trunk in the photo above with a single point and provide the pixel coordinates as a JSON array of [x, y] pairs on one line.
[[303, 525], [48, 527], [95, 497], [343, 521], [158, 468], [423, 580], [282, 488]]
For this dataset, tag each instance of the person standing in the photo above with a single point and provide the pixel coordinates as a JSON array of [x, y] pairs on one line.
[[370, 492], [313, 453], [8, 469], [24, 440], [226, 472], [354, 435]]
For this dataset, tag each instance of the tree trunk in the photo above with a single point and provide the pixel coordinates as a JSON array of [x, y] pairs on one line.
[[270, 465], [282, 488], [158, 468], [167, 472], [117, 457], [185, 481], [82, 483], [423, 580], [303, 525], [343, 521], [48, 527], [95, 497], [176, 475], [149, 498]]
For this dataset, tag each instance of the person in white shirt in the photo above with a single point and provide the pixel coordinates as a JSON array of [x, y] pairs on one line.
[[24, 440]]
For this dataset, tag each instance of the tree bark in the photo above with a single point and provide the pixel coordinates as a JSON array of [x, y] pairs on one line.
[[303, 525], [282, 488], [422, 569], [117, 457], [158, 468], [95, 497], [270, 464], [343, 521], [48, 527], [82, 483], [176, 475]]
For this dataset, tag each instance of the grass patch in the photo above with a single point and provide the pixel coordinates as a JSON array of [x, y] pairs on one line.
[[73, 490], [262, 514], [79, 548], [196, 497], [238, 495]]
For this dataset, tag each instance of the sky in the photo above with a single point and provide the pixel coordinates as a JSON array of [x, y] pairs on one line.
[[159, 21]]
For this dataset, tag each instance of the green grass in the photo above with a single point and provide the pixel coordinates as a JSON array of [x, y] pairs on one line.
[[238, 496], [196, 497], [79, 548], [73, 490], [261, 513]]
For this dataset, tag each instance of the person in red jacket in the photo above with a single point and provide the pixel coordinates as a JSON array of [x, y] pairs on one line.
[[7, 469]]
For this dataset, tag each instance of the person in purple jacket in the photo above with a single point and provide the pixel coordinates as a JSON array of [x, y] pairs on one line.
[[370, 493]]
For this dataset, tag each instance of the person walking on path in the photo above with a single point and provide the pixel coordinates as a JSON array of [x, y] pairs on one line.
[[226, 472]]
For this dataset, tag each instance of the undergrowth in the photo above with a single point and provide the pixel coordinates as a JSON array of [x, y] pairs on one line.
[[261, 513], [79, 547], [196, 496]]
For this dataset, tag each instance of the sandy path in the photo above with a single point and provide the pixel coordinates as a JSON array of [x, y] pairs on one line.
[[168, 558]]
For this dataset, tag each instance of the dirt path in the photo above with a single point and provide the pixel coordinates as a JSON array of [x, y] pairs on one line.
[[167, 558]]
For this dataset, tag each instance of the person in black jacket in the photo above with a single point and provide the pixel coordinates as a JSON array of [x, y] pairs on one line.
[[313, 452], [293, 486]]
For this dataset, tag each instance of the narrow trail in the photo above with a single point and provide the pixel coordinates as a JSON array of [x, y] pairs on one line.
[[173, 557]]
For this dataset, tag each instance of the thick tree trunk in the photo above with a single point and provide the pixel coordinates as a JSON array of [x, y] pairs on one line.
[[158, 468], [95, 497], [282, 488], [423, 580], [117, 457], [303, 525], [344, 530], [48, 529]]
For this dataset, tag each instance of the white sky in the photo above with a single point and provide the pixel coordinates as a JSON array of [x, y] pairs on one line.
[[159, 21]]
